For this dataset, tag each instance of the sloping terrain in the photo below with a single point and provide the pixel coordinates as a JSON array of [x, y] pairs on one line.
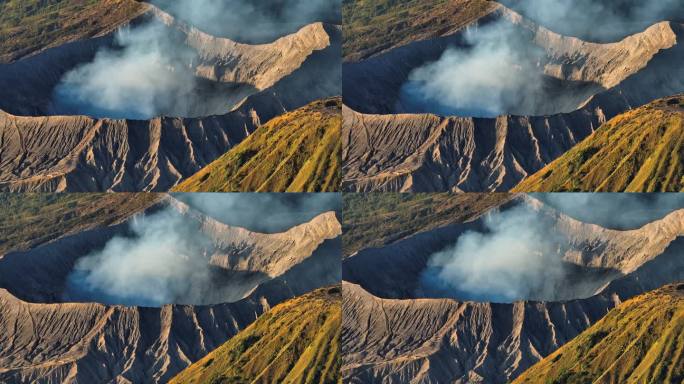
[[391, 333], [379, 219], [28, 27], [639, 341], [295, 152], [49, 340], [387, 149], [295, 342], [30, 220], [637, 151], [373, 27], [251, 84]]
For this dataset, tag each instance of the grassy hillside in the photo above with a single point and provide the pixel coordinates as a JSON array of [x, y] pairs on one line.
[[371, 26], [641, 341], [639, 151], [376, 219], [296, 152], [295, 342], [28, 26], [30, 219]]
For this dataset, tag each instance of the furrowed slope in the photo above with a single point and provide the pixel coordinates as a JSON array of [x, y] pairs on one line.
[[295, 342], [28, 27], [638, 151], [296, 152], [642, 341]]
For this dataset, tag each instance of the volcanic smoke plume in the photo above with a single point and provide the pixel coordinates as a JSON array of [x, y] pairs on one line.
[[486, 78], [514, 257], [165, 257], [148, 71]]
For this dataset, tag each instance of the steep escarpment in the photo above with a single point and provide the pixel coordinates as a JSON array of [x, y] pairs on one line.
[[386, 149], [637, 151], [46, 337], [428, 153], [647, 348], [69, 154], [296, 341], [296, 152]]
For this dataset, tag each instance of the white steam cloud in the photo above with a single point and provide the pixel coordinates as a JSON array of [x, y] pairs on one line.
[[149, 71], [499, 70], [496, 73], [164, 260], [164, 257], [515, 257], [146, 76]]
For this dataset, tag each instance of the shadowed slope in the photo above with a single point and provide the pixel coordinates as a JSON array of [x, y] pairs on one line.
[[641, 341], [638, 151], [296, 342], [296, 152]]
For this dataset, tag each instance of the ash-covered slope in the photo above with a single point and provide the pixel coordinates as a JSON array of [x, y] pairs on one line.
[[295, 152], [295, 342], [639, 341], [588, 84], [49, 340], [391, 334], [637, 151]]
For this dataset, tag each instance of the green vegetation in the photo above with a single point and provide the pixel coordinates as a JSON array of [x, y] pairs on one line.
[[31, 219], [371, 26], [28, 26], [641, 341], [295, 342], [377, 219], [639, 151], [296, 152]]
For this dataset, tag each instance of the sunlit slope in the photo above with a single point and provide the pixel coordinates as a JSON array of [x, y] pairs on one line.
[[638, 151], [295, 342], [641, 341], [297, 152], [371, 27], [29, 26]]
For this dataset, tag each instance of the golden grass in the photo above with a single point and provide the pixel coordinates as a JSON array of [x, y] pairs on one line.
[[638, 151], [299, 151], [640, 341], [29, 26], [295, 342]]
